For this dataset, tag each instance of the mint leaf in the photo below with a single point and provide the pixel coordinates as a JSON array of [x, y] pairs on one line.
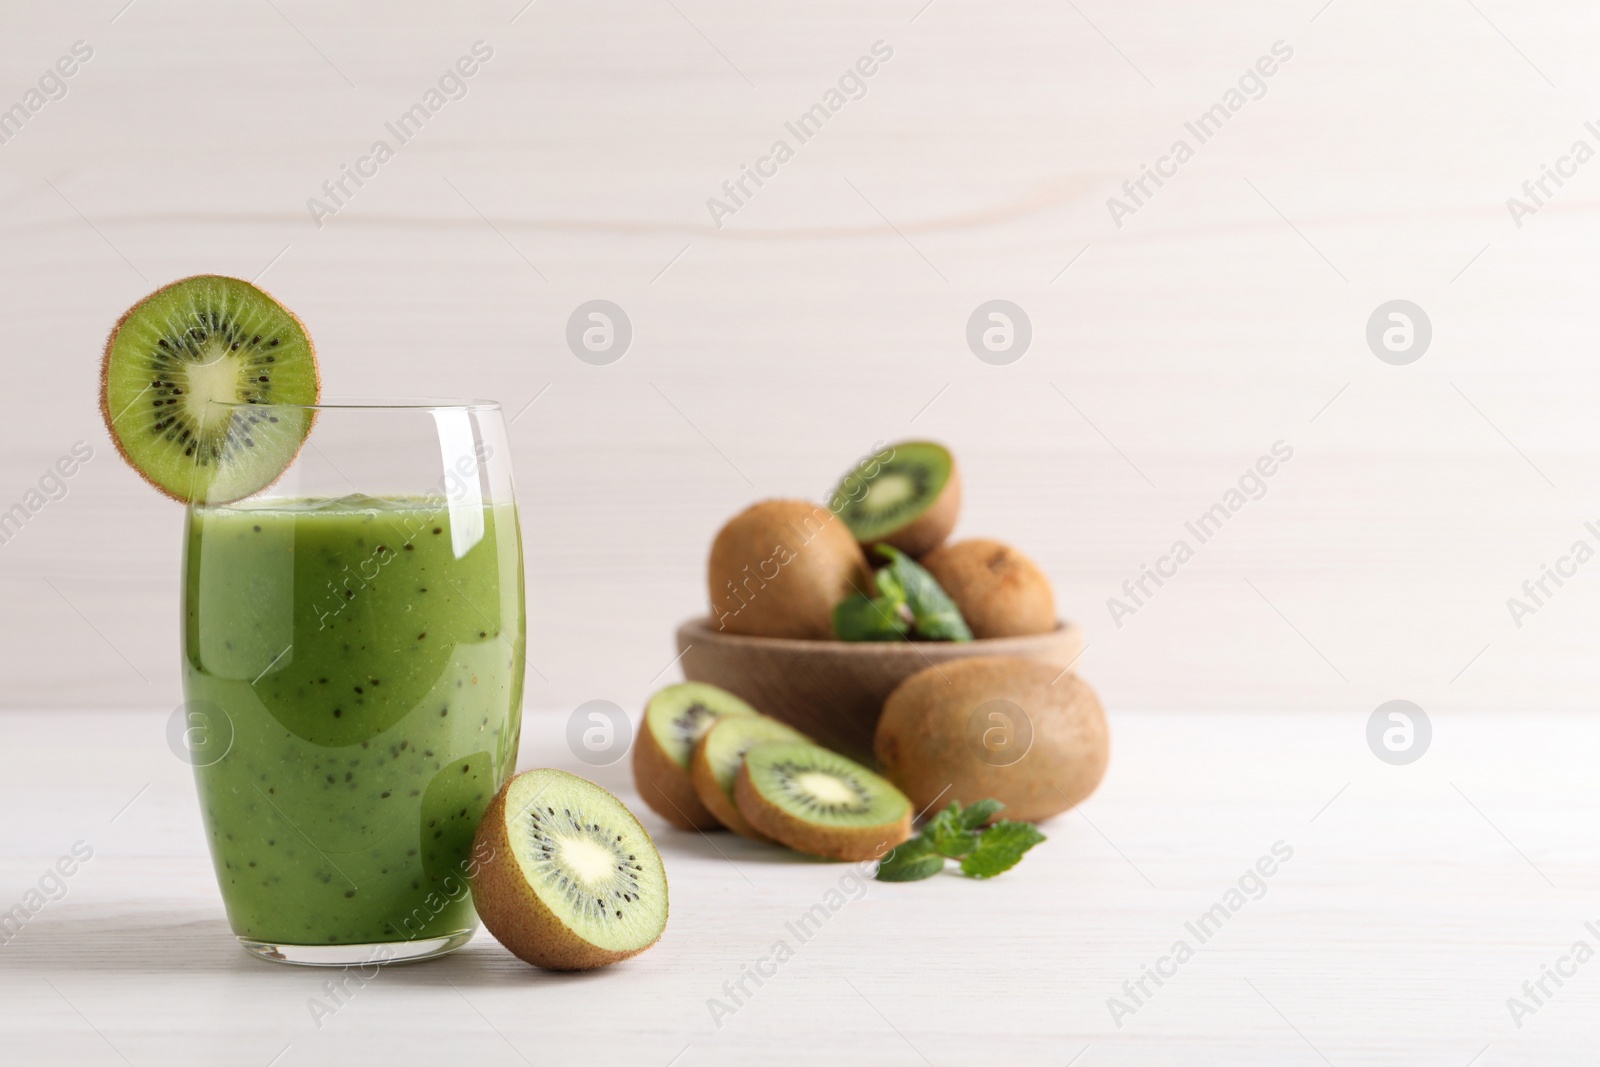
[[974, 817], [889, 585], [1000, 848], [861, 619], [945, 823], [935, 616], [947, 834], [911, 861]]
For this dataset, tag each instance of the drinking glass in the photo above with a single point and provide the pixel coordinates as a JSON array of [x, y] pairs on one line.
[[353, 667]]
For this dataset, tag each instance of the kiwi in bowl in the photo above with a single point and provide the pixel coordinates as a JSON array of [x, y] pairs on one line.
[[780, 567], [909, 498], [1001, 592], [833, 691], [781, 570]]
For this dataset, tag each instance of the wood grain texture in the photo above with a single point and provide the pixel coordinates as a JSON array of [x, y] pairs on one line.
[[1168, 354], [833, 691], [1416, 901]]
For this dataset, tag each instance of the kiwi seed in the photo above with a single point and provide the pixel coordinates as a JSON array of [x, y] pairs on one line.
[[566, 877], [674, 719], [819, 802], [183, 369], [716, 759], [910, 500]]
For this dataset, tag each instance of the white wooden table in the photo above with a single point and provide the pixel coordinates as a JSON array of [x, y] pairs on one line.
[[1417, 900]]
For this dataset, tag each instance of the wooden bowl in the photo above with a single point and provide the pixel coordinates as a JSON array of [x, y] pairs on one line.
[[833, 691]]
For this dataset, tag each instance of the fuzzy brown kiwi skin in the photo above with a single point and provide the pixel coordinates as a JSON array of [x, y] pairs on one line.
[[105, 387], [922, 741], [851, 843], [666, 786], [1000, 591], [795, 560], [929, 530], [721, 806], [513, 912]]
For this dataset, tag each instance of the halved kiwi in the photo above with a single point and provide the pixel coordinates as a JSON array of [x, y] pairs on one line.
[[182, 371], [716, 759], [674, 719], [817, 801], [910, 500], [564, 876]]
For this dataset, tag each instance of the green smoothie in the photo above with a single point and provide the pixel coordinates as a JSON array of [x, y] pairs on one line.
[[367, 655]]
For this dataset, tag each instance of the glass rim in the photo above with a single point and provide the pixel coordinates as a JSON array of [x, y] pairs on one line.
[[376, 403]]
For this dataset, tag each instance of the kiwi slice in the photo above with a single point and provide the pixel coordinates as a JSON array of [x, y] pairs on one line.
[[183, 369], [674, 719], [817, 801], [564, 876], [910, 500], [716, 759]]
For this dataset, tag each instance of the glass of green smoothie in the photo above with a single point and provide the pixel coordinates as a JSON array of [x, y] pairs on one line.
[[353, 653]]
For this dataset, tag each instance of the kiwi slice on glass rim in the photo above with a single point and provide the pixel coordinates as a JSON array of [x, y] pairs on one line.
[[716, 759], [910, 500], [819, 802], [185, 371], [674, 719], [564, 876]]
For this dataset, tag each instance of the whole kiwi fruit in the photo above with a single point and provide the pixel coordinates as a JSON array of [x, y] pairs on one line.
[[780, 567], [1021, 731], [1001, 592]]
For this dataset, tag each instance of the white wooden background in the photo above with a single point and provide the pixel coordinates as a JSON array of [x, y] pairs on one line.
[[830, 312], [1416, 902], [1227, 314]]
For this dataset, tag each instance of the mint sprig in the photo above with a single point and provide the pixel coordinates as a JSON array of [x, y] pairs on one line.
[[1000, 848], [957, 833], [910, 601]]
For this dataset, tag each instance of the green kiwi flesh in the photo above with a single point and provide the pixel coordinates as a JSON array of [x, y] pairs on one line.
[[674, 720], [679, 714], [819, 802], [897, 496], [716, 761], [184, 373], [566, 878]]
